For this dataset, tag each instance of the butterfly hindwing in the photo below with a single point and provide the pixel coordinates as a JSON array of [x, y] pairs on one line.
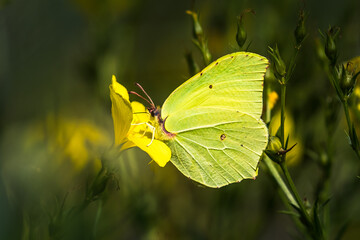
[[218, 151]]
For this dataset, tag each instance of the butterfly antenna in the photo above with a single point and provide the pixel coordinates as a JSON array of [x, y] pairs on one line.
[[142, 89], [135, 93]]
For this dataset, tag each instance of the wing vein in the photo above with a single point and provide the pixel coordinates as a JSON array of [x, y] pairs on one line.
[[197, 163]]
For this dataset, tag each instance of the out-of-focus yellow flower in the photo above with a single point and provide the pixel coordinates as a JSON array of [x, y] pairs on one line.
[[272, 97], [75, 139], [132, 125], [294, 155], [78, 138]]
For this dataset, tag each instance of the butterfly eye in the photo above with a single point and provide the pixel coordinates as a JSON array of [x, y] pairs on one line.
[[222, 137]]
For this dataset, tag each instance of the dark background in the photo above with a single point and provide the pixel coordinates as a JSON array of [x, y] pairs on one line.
[[56, 62]]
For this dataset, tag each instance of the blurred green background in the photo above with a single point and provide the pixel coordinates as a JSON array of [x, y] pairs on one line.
[[56, 62]]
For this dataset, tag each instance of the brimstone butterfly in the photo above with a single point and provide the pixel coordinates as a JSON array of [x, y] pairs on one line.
[[212, 121]]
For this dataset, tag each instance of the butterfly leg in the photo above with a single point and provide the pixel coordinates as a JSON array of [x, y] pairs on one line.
[[136, 124], [152, 129]]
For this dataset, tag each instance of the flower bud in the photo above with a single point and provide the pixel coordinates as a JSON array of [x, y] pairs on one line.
[[279, 65], [274, 145], [241, 34], [347, 79], [300, 30], [330, 45], [273, 149], [197, 29], [98, 186], [207, 56]]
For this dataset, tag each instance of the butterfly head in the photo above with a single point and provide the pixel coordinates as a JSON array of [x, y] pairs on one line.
[[154, 111]]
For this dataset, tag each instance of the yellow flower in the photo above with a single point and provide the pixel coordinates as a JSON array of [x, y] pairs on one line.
[[133, 125]]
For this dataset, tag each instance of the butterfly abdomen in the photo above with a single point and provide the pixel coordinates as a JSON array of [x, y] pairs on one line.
[[161, 132]]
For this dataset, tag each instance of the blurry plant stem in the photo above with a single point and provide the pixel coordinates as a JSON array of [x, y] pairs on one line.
[[93, 192], [291, 194], [199, 38], [290, 182], [310, 227], [275, 173], [305, 217], [323, 190], [344, 101], [282, 120], [285, 194], [97, 218]]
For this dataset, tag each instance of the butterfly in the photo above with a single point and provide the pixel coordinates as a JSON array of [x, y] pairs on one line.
[[212, 122]]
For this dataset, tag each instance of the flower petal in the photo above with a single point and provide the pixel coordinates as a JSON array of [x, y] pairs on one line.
[[121, 111], [140, 112], [157, 150], [140, 119], [119, 89]]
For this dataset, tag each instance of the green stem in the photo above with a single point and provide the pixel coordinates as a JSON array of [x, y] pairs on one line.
[[267, 113], [301, 208], [294, 191], [282, 123], [291, 67], [305, 215], [346, 109], [275, 173], [97, 218]]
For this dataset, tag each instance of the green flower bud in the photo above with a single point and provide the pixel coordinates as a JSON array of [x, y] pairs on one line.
[[330, 45], [274, 148], [197, 29], [279, 65], [300, 30], [347, 79], [241, 34], [207, 56], [274, 145], [98, 186]]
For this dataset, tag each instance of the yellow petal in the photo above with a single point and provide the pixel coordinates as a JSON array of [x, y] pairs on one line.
[[119, 89], [140, 118], [140, 112], [157, 150], [121, 111]]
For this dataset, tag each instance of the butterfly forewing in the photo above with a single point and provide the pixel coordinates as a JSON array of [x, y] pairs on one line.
[[234, 81]]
